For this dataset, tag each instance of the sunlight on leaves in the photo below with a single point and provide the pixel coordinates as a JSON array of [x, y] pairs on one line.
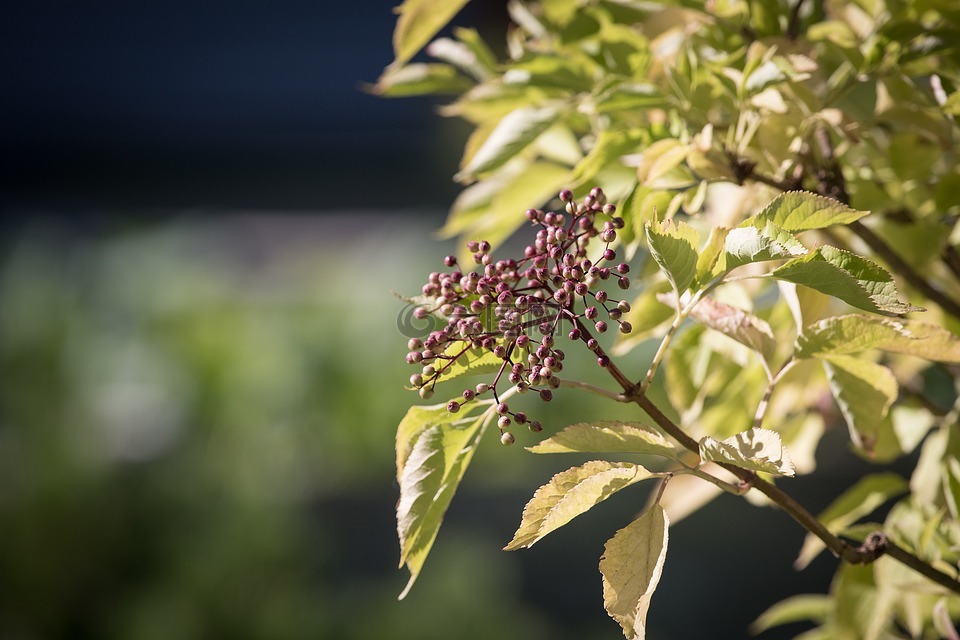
[[755, 449], [631, 566], [607, 436]]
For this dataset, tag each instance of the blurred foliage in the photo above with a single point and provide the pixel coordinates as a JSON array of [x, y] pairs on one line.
[[196, 440]]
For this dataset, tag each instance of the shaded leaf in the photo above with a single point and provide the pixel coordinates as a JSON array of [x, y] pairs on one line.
[[865, 391], [854, 333], [847, 276], [419, 21], [799, 608], [800, 211], [755, 449], [433, 452], [745, 245], [869, 493], [512, 133], [631, 566], [745, 328], [674, 247], [571, 493], [607, 436]]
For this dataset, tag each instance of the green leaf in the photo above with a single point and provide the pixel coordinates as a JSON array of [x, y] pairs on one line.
[[799, 608], [418, 79], [865, 391], [674, 247], [855, 280], [609, 147], [854, 333], [745, 328], [659, 159], [492, 209], [745, 245], [515, 131], [473, 361], [433, 452], [571, 493], [631, 566], [856, 502], [709, 264], [755, 449], [796, 211], [607, 436], [419, 21]]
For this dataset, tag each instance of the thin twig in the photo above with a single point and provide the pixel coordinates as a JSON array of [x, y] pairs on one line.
[[793, 26]]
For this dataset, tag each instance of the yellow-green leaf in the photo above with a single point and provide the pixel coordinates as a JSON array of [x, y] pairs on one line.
[[571, 493], [419, 21], [856, 502], [745, 245], [855, 280], [755, 449], [607, 436], [865, 391], [798, 608], [799, 211], [631, 566], [674, 247], [854, 333], [433, 451], [745, 328], [512, 133]]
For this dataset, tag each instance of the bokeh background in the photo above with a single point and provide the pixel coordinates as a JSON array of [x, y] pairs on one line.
[[204, 216]]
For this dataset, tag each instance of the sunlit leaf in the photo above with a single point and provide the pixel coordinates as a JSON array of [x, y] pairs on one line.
[[865, 391], [674, 247], [659, 159], [799, 211], [472, 361], [607, 436], [631, 566], [755, 449], [571, 493], [709, 263], [745, 245], [855, 280], [512, 133], [854, 333], [419, 21], [433, 452], [418, 79], [856, 502]]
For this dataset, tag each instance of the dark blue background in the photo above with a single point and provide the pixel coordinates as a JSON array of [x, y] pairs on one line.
[[210, 104]]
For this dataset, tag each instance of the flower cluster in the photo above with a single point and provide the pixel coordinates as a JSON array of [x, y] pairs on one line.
[[515, 309]]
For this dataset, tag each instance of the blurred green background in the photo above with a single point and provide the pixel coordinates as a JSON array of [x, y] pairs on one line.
[[202, 361]]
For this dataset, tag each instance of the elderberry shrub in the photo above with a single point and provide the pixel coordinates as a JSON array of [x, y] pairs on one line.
[[514, 308]]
